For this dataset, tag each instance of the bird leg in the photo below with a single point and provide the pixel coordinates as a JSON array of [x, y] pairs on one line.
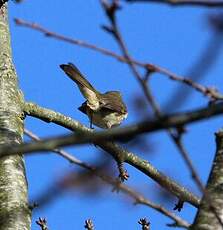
[[91, 120]]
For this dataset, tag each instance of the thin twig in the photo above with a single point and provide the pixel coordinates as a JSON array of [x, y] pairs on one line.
[[138, 198], [177, 139], [207, 3], [144, 223], [113, 149], [89, 224], [42, 223], [110, 10], [207, 91], [199, 68]]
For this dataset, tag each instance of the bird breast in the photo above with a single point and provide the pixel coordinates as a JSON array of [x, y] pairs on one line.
[[107, 121]]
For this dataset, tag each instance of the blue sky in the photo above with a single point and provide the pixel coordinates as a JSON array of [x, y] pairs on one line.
[[170, 37]]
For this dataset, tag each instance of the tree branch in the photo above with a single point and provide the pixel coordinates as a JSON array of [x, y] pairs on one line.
[[209, 92], [110, 10], [207, 3], [89, 224], [138, 198], [210, 213], [113, 149], [42, 223], [164, 122]]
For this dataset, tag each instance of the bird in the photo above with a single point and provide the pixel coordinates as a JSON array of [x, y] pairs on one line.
[[105, 110]]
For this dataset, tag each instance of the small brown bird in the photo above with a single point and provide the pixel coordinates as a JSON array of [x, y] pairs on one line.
[[105, 110]]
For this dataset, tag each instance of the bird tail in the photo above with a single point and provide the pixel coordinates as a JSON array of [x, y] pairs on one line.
[[84, 85]]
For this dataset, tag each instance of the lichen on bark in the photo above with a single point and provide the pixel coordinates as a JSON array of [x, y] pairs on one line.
[[14, 211], [210, 213]]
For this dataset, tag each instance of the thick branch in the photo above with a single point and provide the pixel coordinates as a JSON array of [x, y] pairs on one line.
[[175, 120], [85, 135], [138, 198], [14, 212], [110, 10], [113, 149], [212, 203]]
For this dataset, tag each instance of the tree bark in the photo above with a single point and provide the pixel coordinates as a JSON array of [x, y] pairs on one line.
[[14, 211], [212, 203]]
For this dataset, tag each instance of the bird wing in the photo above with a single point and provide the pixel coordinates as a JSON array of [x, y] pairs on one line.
[[112, 100]]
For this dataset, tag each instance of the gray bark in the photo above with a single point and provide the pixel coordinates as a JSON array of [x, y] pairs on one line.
[[14, 211], [210, 213]]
